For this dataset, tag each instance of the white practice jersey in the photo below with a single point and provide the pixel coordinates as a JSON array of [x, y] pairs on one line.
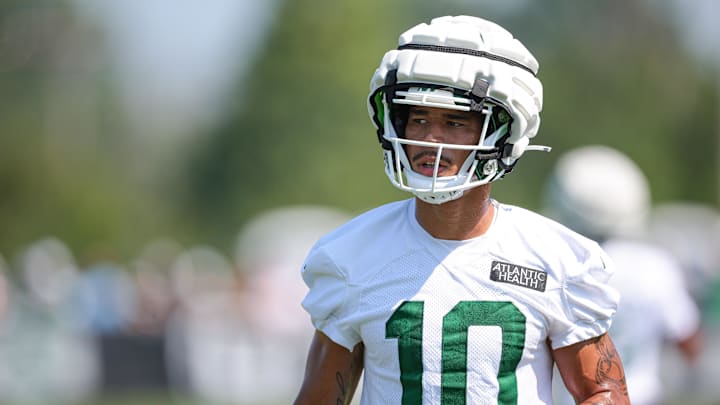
[[451, 322]]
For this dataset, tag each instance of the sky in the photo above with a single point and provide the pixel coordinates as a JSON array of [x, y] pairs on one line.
[[698, 23], [175, 60]]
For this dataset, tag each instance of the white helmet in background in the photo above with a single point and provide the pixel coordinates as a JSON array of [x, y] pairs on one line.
[[460, 63], [599, 192]]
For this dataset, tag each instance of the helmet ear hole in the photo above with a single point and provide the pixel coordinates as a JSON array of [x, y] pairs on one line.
[[399, 116], [378, 117]]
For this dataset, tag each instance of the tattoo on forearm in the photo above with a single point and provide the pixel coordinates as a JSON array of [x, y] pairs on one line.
[[609, 370], [346, 388], [341, 385]]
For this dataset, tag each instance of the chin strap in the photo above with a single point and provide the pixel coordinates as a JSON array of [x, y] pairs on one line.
[[539, 148]]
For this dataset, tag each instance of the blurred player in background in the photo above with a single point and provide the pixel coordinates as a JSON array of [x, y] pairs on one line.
[[41, 337], [239, 333], [602, 194], [691, 232], [270, 249], [452, 297]]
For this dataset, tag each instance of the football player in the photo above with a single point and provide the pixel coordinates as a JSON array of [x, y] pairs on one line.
[[452, 297]]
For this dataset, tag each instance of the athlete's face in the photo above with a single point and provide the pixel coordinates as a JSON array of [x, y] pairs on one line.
[[440, 125]]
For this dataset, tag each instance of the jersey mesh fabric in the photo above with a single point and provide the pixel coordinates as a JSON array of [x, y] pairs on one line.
[[431, 305]]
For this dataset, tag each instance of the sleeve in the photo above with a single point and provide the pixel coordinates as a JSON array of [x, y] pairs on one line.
[[328, 299], [588, 301]]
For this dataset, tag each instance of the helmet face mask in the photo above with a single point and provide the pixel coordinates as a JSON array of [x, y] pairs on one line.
[[430, 70], [480, 166]]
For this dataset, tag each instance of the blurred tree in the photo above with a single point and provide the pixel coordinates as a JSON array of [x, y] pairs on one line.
[[613, 72], [301, 133], [62, 155], [623, 79]]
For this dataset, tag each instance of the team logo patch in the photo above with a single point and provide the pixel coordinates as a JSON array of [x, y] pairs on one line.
[[518, 275]]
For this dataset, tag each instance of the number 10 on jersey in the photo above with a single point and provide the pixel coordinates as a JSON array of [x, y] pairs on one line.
[[406, 325]]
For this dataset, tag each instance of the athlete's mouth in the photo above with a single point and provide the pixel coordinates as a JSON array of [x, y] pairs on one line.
[[424, 163]]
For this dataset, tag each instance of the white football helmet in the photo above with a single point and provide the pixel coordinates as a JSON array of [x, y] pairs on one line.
[[459, 63], [599, 192]]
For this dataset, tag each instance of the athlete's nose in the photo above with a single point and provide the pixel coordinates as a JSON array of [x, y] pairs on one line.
[[433, 132]]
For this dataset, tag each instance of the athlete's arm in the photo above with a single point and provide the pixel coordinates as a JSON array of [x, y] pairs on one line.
[[331, 373], [691, 346], [592, 371]]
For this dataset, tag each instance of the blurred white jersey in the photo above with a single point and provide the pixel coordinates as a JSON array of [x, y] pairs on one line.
[[454, 321], [655, 307]]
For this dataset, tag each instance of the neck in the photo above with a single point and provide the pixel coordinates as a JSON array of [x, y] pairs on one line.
[[467, 217]]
